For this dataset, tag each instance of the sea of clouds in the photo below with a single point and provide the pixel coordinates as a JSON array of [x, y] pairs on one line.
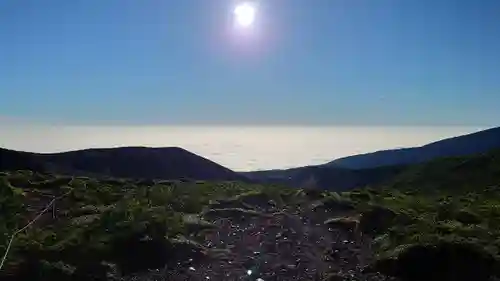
[[241, 148]]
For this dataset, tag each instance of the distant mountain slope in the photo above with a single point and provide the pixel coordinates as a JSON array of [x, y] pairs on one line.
[[460, 172], [124, 162], [19, 160], [324, 177], [469, 144], [466, 172]]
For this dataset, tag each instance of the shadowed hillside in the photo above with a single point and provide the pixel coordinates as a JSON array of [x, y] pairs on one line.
[[455, 173], [19, 160], [479, 142], [122, 162], [379, 167], [324, 177]]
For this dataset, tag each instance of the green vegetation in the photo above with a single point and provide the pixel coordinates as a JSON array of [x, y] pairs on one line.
[[473, 173], [402, 219], [445, 204], [99, 230], [85, 236]]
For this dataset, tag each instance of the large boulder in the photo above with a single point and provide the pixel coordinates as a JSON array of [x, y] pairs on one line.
[[139, 253], [333, 204], [468, 217], [376, 220], [444, 261]]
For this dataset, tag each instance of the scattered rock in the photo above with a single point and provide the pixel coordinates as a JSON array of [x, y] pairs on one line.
[[260, 200], [183, 249], [346, 223], [275, 245], [85, 219], [333, 277], [50, 184], [236, 213], [333, 204], [194, 224], [229, 204]]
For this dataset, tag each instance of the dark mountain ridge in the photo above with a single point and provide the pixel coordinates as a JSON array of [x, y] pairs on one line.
[[468, 144], [19, 160], [121, 162], [378, 167]]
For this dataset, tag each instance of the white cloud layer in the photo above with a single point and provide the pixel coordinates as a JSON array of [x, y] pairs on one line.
[[239, 148]]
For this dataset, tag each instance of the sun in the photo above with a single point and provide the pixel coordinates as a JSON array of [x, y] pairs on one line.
[[244, 14]]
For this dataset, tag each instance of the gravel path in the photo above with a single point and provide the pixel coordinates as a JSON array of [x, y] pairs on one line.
[[277, 245]]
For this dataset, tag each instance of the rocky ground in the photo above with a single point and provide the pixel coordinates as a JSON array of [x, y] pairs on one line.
[[269, 243]]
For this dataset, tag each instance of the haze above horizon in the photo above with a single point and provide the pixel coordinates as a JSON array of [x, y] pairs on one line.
[[321, 62], [241, 148]]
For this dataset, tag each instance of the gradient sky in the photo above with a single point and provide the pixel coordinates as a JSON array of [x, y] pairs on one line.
[[338, 62]]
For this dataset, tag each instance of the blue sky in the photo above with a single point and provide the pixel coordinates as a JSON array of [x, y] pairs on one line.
[[319, 62]]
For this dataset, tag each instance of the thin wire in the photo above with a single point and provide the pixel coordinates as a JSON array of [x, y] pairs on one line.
[[28, 225]]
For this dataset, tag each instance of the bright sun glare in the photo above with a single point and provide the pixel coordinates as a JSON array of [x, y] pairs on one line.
[[244, 14]]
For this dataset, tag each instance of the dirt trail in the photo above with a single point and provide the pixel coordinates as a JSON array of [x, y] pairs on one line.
[[284, 245]]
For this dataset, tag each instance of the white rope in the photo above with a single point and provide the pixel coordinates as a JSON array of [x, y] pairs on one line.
[[28, 225]]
